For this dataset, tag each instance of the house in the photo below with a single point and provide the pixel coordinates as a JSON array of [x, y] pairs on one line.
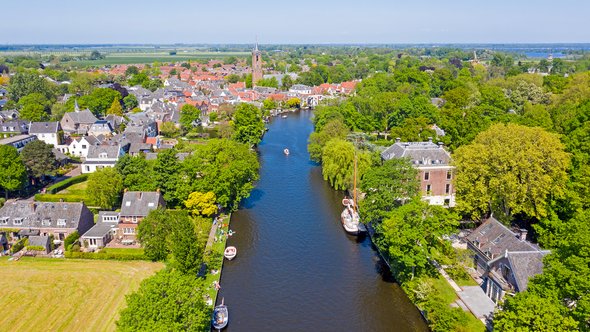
[[505, 259], [102, 232], [78, 121], [135, 149], [434, 169], [13, 128], [18, 141], [79, 146], [135, 206], [40, 241], [101, 127], [101, 156], [47, 132], [8, 115], [27, 218], [299, 90]]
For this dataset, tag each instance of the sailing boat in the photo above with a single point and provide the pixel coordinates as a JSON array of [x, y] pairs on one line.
[[350, 217]]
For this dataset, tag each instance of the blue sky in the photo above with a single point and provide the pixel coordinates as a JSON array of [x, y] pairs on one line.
[[303, 21]]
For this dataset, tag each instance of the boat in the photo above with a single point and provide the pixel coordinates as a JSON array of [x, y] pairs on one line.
[[351, 221], [284, 116], [286, 152], [230, 252], [220, 316]]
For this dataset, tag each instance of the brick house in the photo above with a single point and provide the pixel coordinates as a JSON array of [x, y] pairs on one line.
[[435, 171], [45, 218], [135, 206], [504, 259]]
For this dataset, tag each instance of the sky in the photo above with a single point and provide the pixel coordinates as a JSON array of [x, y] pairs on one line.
[[293, 22]]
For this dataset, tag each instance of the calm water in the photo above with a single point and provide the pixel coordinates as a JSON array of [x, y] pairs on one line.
[[296, 269]]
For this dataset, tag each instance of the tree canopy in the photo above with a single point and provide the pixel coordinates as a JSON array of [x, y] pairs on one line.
[[13, 174], [39, 159], [247, 123], [105, 187]]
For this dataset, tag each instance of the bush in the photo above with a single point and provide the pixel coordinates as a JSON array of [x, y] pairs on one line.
[[71, 240], [36, 248], [2, 201], [105, 254], [59, 198], [66, 183], [19, 245]]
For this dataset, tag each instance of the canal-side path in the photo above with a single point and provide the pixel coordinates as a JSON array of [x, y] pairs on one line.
[[216, 243]]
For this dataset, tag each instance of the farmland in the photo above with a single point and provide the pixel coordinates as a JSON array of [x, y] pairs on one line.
[[67, 295]]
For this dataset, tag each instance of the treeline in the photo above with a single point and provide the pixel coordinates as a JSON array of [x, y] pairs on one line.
[[519, 143]]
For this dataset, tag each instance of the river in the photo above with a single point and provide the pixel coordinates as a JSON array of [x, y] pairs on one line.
[[296, 269]]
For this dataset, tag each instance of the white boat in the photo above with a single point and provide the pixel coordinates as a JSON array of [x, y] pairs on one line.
[[349, 217], [230, 252], [284, 116], [286, 152]]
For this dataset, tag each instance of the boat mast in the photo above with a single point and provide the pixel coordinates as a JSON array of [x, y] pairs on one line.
[[354, 186]]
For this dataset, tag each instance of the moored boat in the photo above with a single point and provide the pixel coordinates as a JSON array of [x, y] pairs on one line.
[[220, 316], [284, 116], [286, 152], [230, 252]]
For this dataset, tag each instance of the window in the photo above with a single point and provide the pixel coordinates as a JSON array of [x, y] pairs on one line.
[[45, 222], [83, 146], [426, 176], [87, 168], [17, 221], [428, 189], [4, 221], [499, 238], [151, 204], [134, 219], [448, 188], [449, 175], [61, 222], [102, 155], [128, 203], [92, 242], [127, 230]]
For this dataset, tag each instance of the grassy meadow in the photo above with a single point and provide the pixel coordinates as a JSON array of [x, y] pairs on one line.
[[67, 295]]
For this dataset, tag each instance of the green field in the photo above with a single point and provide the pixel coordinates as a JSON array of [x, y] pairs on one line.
[[138, 58], [67, 295]]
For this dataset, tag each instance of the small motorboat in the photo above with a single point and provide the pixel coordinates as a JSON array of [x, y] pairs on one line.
[[220, 316], [230, 252], [284, 116], [286, 152]]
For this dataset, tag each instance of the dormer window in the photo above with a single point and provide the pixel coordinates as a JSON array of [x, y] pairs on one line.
[[61, 222], [102, 155], [45, 222], [17, 221], [4, 221], [128, 203], [151, 204]]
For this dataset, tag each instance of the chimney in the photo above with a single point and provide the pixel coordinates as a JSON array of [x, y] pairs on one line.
[[441, 144], [523, 233], [32, 206], [397, 139], [139, 194], [429, 139]]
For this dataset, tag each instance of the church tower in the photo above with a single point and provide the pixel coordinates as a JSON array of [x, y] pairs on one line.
[[256, 65]]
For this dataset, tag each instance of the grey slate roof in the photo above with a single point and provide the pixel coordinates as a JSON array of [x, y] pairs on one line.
[[99, 230], [43, 128], [140, 203], [496, 239], [40, 241], [95, 150], [525, 265], [40, 214], [420, 153], [83, 116], [16, 126], [101, 125], [138, 147]]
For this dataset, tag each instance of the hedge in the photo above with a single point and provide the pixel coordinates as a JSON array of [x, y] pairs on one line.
[[66, 183], [106, 255], [59, 198]]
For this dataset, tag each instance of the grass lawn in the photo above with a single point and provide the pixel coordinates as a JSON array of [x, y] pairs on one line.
[[73, 193], [67, 295], [218, 247]]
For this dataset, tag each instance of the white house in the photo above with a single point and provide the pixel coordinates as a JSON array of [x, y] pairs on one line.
[[47, 132], [80, 146], [100, 157]]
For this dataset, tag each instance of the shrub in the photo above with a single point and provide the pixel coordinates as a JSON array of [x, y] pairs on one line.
[[19, 245], [70, 240], [36, 248], [66, 183], [106, 255]]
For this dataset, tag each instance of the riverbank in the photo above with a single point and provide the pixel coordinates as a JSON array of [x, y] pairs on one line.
[[215, 247]]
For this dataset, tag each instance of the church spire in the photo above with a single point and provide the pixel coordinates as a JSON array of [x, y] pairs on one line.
[[76, 107]]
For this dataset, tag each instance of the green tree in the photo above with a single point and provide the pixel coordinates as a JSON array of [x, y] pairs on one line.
[[232, 78], [153, 232], [188, 115], [531, 312], [131, 70], [169, 129], [317, 140], [13, 174], [26, 83], [287, 82], [247, 123], [166, 170], [202, 203], [137, 173], [412, 235], [115, 108], [39, 159], [105, 187], [510, 169], [34, 113], [338, 163], [130, 102], [387, 187], [187, 251], [293, 103], [167, 301], [269, 104]]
